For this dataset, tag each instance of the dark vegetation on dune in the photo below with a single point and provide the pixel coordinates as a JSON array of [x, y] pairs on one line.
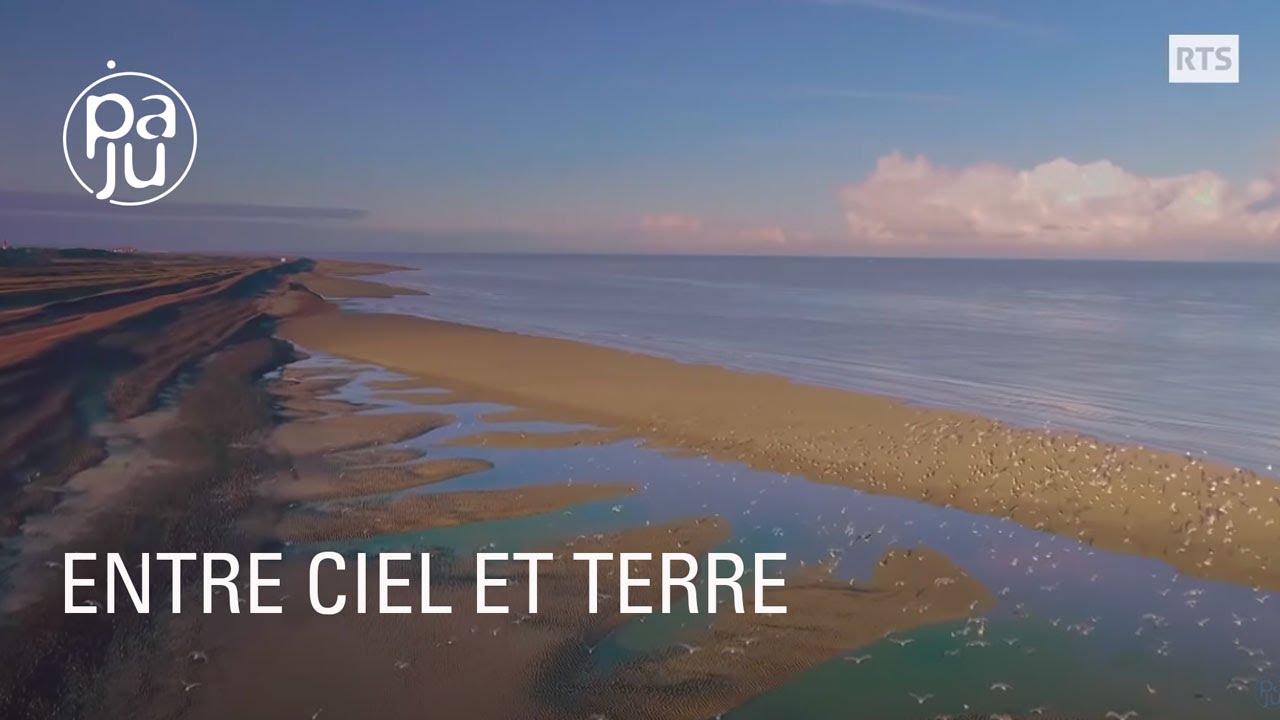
[[101, 352], [125, 332]]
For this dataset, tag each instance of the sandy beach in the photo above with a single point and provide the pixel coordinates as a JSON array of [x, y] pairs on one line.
[[1204, 519], [236, 458]]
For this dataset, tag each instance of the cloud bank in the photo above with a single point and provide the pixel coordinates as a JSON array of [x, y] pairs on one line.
[[1058, 207]]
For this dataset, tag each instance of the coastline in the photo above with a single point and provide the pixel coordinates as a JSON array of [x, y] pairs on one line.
[[1205, 519], [334, 450], [310, 466]]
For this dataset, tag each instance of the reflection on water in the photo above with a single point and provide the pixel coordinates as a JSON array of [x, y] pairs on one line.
[[1174, 355], [1076, 629]]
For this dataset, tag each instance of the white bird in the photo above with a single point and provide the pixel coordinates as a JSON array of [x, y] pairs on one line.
[[690, 648], [921, 699], [858, 659], [197, 656], [189, 686], [1121, 715], [903, 642], [1002, 687]]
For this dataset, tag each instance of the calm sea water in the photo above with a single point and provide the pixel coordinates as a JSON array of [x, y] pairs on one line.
[[1175, 355]]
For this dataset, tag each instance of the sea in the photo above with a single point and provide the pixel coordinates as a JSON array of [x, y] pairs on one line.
[[1179, 356]]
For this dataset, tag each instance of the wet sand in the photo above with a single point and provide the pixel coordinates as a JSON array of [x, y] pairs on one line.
[[347, 432], [373, 456], [335, 286], [461, 665], [472, 665], [744, 654], [534, 440], [348, 521], [422, 398], [328, 484], [302, 397], [398, 384], [1205, 519], [338, 279]]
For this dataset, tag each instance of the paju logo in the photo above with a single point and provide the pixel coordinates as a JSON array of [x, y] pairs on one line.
[[112, 110]]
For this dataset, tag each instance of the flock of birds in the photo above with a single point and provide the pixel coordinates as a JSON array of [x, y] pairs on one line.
[[1037, 566], [1040, 567]]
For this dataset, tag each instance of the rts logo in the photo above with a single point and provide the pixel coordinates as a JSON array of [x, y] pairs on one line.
[[1204, 58], [129, 138]]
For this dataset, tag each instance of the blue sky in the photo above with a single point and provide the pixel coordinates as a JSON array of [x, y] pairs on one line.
[[582, 118]]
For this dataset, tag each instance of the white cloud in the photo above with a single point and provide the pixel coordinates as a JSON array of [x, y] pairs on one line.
[[910, 201]]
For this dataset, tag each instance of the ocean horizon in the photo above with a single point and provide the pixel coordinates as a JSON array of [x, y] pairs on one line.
[[1174, 355]]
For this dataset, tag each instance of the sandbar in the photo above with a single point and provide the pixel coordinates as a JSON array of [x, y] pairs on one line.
[[1206, 519], [348, 432], [320, 484]]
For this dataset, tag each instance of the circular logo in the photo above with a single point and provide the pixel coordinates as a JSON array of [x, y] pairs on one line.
[[129, 138]]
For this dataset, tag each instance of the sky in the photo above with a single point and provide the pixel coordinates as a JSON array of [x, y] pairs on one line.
[[898, 127]]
